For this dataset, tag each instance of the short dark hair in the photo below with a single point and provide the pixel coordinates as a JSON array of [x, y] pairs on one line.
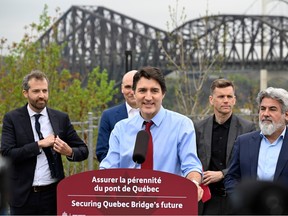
[[221, 83], [150, 73], [37, 74]]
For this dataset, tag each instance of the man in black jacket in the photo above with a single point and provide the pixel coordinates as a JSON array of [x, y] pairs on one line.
[[35, 153], [215, 138]]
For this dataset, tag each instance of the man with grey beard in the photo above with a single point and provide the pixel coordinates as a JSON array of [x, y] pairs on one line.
[[262, 155]]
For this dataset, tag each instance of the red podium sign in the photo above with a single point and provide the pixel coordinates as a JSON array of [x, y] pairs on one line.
[[126, 192]]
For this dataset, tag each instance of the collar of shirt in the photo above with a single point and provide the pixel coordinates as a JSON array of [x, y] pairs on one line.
[[157, 119], [46, 127], [32, 113], [282, 135], [226, 124], [131, 111]]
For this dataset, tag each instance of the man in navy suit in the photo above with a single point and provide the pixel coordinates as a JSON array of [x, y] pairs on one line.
[[35, 153], [262, 155], [112, 115], [215, 137]]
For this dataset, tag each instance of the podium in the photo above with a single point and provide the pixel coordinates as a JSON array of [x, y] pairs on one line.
[[126, 192]]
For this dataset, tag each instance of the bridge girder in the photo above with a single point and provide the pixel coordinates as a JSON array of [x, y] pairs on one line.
[[244, 42], [97, 36]]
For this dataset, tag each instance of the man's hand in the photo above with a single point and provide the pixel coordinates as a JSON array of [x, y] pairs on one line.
[[212, 177], [200, 191], [47, 141], [61, 147], [195, 177]]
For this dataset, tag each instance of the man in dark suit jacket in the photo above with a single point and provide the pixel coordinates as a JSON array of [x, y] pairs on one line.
[[32, 182], [262, 155], [215, 137], [112, 115]]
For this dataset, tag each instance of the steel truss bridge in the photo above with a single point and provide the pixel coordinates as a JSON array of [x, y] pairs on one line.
[[97, 36]]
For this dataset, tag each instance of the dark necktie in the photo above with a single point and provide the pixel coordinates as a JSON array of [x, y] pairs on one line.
[[47, 150], [148, 163]]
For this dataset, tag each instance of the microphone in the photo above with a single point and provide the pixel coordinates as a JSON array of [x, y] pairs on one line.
[[141, 145]]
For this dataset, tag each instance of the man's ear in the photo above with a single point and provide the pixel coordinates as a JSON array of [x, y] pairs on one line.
[[211, 100], [286, 117], [25, 93]]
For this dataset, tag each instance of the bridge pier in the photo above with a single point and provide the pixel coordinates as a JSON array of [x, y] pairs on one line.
[[263, 79]]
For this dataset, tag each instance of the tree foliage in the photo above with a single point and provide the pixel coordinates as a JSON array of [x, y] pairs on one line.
[[65, 89], [189, 79], [196, 62]]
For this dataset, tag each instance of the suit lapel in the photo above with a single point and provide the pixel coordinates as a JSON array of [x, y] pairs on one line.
[[233, 131], [208, 139], [282, 159], [121, 113], [54, 121], [253, 147], [57, 156], [25, 122]]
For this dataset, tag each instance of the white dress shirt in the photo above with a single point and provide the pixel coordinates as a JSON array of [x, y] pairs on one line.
[[131, 111], [42, 174]]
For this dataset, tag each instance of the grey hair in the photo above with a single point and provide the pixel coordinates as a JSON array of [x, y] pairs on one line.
[[37, 74], [279, 94]]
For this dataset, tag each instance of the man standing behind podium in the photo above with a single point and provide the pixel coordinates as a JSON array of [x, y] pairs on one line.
[[173, 134], [114, 114], [262, 155], [215, 138], [32, 182]]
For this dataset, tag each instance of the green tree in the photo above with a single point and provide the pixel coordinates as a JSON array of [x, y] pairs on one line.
[[65, 91], [78, 101]]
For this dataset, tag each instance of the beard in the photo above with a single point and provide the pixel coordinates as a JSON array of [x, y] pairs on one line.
[[38, 105], [269, 128]]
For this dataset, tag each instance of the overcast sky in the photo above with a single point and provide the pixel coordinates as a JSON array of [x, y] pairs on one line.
[[16, 14]]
